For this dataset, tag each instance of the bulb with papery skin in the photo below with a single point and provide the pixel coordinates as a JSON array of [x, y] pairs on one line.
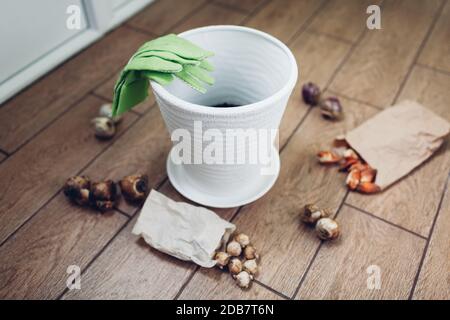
[[331, 108], [250, 253], [311, 93], [243, 279], [222, 259], [104, 127], [235, 266], [242, 239], [234, 248], [327, 229], [250, 266]]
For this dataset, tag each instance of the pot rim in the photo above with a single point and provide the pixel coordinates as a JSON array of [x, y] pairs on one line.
[[202, 109]]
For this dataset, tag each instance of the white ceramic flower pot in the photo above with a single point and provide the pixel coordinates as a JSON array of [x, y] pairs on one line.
[[253, 70]]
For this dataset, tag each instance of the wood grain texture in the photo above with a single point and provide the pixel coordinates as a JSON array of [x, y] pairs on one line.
[[272, 222], [2, 157], [378, 65], [412, 202], [244, 5], [162, 15], [283, 18], [106, 89], [317, 57], [131, 269], [340, 268], [434, 279], [45, 100], [437, 50], [30, 177], [143, 149], [210, 14], [34, 262], [342, 18], [223, 288]]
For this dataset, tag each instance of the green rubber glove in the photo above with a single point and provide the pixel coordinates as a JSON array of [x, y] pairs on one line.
[[160, 60], [177, 45], [199, 73], [153, 63], [166, 55]]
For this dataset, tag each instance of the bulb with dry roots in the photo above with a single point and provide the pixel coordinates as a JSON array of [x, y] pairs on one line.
[[312, 213], [77, 189], [234, 249], [103, 195], [327, 229], [242, 239], [235, 266], [222, 259], [243, 279]]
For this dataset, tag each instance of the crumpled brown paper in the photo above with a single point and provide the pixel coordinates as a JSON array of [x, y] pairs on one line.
[[398, 139], [182, 230]]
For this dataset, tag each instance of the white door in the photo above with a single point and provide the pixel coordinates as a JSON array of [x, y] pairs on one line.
[[31, 29], [35, 35]]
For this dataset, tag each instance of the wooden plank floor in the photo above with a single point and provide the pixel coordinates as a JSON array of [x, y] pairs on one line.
[[45, 137]]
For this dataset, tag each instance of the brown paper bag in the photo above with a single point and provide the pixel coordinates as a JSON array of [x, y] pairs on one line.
[[398, 139]]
